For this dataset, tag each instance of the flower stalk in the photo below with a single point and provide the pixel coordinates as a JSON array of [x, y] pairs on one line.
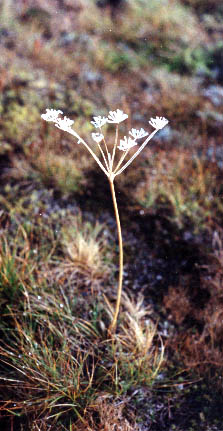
[[120, 243], [114, 117]]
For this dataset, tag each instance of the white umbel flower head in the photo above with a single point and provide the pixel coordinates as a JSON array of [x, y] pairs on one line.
[[137, 134], [158, 122], [64, 124], [99, 121], [116, 116], [126, 144], [51, 115], [97, 137]]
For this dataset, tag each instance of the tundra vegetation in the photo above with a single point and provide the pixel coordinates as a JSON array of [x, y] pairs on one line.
[[160, 365]]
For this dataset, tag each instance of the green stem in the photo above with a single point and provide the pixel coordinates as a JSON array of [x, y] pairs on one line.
[[119, 292]]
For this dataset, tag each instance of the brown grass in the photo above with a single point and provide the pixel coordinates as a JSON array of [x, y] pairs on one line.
[[110, 417], [200, 344], [85, 248]]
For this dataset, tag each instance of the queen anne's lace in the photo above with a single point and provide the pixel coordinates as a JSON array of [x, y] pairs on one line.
[[97, 137], [158, 122], [111, 167], [126, 144], [51, 115], [116, 116], [99, 121], [137, 134]]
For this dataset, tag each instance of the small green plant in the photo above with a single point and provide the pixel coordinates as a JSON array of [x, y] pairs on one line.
[[108, 165]]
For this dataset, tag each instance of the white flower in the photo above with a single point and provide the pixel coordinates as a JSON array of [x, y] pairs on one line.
[[51, 115], [64, 124], [99, 121], [116, 116], [126, 144], [97, 137], [158, 122], [137, 134]]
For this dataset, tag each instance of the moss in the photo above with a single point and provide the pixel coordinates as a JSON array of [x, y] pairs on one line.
[[186, 190], [79, 105], [190, 60], [58, 171], [20, 123], [113, 59], [20, 108]]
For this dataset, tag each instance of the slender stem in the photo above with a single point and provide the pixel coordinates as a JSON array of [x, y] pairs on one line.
[[119, 291], [114, 148], [103, 155], [104, 142], [109, 163], [121, 160], [80, 140], [137, 153]]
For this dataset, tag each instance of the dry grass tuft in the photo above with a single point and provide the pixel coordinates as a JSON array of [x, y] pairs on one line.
[[110, 417], [138, 355], [138, 329], [85, 249]]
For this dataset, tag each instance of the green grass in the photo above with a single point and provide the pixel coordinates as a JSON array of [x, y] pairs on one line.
[[186, 187], [56, 359]]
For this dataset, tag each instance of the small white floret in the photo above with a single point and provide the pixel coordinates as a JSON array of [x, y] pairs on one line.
[[126, 144], [51, 115], [138, 134], [99, 121], [97, 137], [116, 116], [158, 122], [64, 124]]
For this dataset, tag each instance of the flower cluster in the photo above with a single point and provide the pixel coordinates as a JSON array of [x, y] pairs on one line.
[[158, 122], [64, 124], [138, 134], [51, 115], [117, 116], [114, 117], [97, 137], [99, 121], [125, 144]]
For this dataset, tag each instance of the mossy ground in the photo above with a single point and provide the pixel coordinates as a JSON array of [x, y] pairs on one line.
[[58, 249]]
